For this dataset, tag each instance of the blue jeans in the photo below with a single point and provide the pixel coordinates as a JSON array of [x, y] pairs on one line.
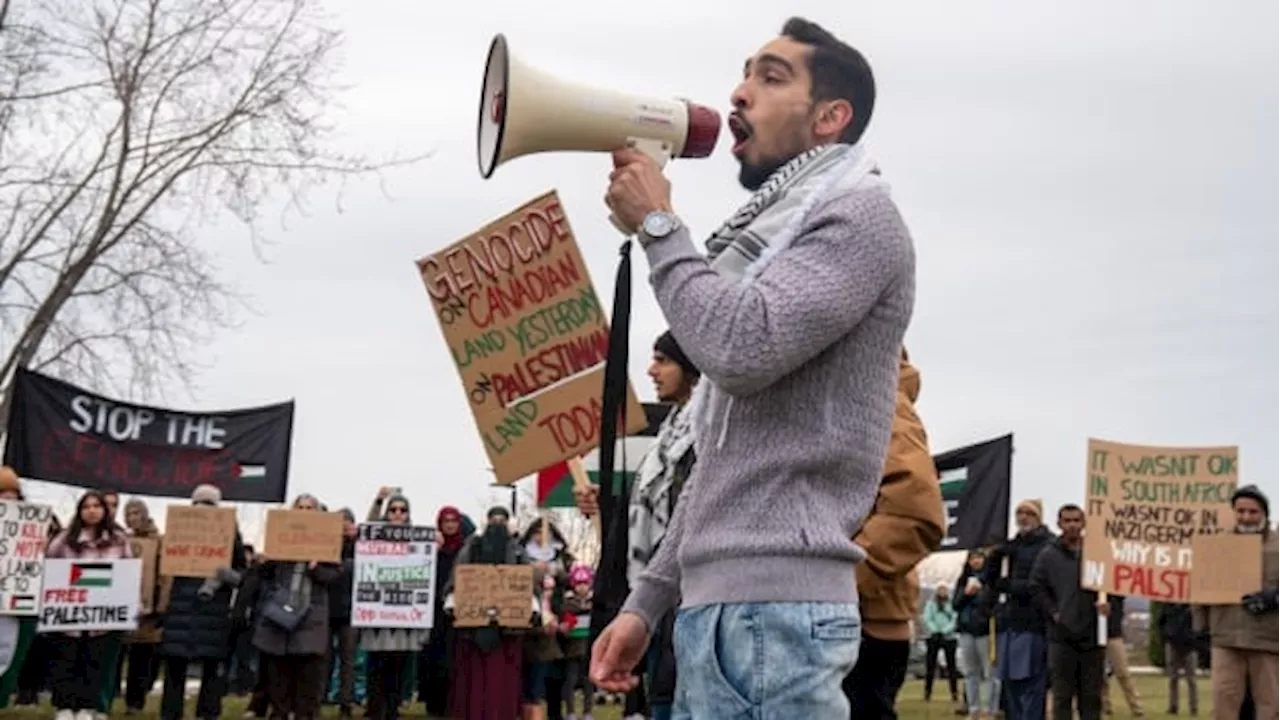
[[765, 661], [979, 673], [657, 711]]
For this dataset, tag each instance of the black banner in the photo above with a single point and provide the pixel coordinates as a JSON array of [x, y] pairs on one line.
[[975, 491], [65, 434]]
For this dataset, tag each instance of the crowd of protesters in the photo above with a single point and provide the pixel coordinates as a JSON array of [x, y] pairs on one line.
[[228, 634], [1017, 619], [1046, 658]]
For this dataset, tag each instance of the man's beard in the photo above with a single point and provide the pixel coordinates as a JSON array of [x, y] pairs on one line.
[[752, 175]]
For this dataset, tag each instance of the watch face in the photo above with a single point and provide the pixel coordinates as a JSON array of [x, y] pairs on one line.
[[657, 225]]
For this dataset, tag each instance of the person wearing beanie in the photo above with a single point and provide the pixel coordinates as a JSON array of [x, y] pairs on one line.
[[209, 495], [1245, 638], [651, 506], [1022, 649], [198, 630]]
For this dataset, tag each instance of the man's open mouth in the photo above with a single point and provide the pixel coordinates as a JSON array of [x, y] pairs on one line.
[[741, 130]]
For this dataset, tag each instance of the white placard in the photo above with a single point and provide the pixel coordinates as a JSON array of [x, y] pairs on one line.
[[90, 594], [395, 577], [24, 529]]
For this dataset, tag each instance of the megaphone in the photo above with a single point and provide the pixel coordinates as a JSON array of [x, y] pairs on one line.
[[524, 110]]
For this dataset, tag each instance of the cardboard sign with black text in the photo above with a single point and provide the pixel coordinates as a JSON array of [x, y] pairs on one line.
[[1145, 507]]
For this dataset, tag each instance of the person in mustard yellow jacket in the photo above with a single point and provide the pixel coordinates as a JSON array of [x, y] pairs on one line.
[[906, 524]]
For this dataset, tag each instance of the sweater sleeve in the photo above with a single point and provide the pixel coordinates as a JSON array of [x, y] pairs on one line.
[[657, 590], [747, 336]]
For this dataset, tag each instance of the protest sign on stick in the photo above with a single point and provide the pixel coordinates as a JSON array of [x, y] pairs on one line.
[[1145, 506], [528, 335], [303, 536]]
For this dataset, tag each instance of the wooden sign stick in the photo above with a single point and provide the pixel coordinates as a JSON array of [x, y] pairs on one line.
[[582, 483]]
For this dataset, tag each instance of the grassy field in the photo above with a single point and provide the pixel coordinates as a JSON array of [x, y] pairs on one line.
[[911, 705]]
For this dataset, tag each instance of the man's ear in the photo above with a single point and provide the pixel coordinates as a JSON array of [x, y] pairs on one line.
[[832, 118]]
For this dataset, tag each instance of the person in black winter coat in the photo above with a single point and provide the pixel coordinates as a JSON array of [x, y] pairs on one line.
[[197, 627], [1021, 648], [1077, 662], [342, 637], [972, 602], [1179, 636]]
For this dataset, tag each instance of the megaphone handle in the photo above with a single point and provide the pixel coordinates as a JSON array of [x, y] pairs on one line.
[[660, 151]]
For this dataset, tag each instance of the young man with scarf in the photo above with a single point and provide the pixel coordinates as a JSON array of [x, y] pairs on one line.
[[796, 319], [662, 475]]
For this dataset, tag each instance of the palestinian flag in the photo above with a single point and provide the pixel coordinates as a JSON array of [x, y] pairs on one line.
[[251, 472], [22, 603], [555, 484], [90, 575]]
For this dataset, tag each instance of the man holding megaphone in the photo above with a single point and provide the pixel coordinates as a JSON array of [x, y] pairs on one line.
[[795, 317]]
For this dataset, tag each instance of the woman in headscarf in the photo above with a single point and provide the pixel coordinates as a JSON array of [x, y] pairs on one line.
[[433, 663], [142, 660], [488, 661], [293, 649], [388, 650]]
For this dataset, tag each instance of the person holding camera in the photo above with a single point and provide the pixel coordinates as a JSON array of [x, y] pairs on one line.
[[197, 626]]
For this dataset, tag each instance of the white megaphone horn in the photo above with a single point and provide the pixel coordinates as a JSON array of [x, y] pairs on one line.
[[524, 110]]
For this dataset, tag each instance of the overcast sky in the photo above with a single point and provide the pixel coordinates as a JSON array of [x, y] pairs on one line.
[[1092, 189]]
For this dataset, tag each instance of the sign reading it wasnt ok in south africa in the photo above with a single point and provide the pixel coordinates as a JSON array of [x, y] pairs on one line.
[[529, 337], [1145, 509]]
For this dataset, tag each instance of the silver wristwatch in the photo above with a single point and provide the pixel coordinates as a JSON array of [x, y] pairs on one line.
[[657, 225]]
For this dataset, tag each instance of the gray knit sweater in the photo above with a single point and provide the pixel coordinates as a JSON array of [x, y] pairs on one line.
[[792, 432]]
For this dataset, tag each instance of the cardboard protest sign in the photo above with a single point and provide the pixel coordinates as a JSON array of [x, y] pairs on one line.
[[24, 529], [148, 551], [482, 593], [90, 595], [1145, 507], [197, 540], [1226, 567], [528, 335], [303, 536], [395, 577]]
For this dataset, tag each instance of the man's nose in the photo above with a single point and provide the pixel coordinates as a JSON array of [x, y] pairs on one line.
[[739, 98]]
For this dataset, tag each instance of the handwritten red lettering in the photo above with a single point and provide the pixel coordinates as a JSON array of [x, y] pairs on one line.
[[66, 596], [1163, 584], [574, 428]]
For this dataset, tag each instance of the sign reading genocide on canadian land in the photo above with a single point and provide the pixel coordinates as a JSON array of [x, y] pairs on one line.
[[1145, 508], [528, 335]]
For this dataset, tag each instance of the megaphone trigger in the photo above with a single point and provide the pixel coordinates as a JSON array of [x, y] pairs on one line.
[[659, 150]]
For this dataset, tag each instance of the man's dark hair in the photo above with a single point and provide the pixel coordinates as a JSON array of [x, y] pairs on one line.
[[1069, 507], [838, 72]]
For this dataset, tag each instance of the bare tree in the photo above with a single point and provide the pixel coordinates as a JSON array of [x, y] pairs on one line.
[[126, 127]]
